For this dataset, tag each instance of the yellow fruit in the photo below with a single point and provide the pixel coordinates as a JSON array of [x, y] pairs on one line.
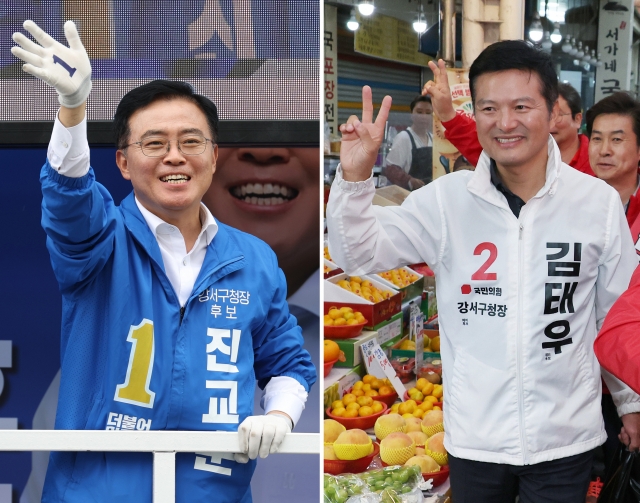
[[339, 322], [357, 392], [336, 404], [366, 387], [394, 408], [387, 424], [431, 399], [328, 320], [427, 388], [339, 412], [432, 418], [375, 384], [437, 391], [435, 407], [426, 463], [350, 413], [332, 429], [377, 406], [407, 415], [364, 400], [418, 413], [368, 378], [352, 444], [371, 392], [334, 313], [419, 438], [365, 411], [426, 405], [329, 453], [396, 448], [385, 390], [346, 309], [413, 424], [357, 279], [412, 390], [420, 383], [435, 344], [348, 398], [353, 406], [436, 443], [343, 283], [358, 385]]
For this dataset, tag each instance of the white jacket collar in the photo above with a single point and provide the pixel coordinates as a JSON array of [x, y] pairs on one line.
[[480, 183]]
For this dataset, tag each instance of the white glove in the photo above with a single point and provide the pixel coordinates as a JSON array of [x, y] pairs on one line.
[[66, 68], [261, 435]]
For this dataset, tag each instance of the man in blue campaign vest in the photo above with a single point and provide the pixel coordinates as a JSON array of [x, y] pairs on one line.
[[169, 317]]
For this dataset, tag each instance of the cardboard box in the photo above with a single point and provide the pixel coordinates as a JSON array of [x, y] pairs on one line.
[[387, 347], [351, 349], [389, 329], [411, 291], [331, 269], [375, 313]]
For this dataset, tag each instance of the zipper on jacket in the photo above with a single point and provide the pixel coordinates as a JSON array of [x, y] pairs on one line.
[[525, 455], [182, 310]]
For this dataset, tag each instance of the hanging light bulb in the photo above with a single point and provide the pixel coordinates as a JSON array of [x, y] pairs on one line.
[[546, 42], [366, 7], [587, 56], [535, 30], [353, 24], [556, 36], [580, 52], [420, 24], [599, 64], [574, 48], [566, 47]]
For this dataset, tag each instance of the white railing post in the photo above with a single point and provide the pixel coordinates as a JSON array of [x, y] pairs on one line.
[[164, 477], [163, 444]]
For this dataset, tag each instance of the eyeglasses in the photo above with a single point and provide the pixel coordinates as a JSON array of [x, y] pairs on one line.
[[154, 146]]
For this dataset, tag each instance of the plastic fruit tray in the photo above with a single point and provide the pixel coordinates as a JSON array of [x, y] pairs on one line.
[[343, 331], [328, 366], [362, 423], [338, 466]]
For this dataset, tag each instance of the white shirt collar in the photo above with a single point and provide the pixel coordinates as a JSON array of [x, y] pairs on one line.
[[307, 296], [159, 226]]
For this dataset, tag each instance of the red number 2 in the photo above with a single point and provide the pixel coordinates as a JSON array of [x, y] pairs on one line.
[[482, 274]]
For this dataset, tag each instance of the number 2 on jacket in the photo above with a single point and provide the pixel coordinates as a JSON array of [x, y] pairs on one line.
[[482, 274], [135, 389]]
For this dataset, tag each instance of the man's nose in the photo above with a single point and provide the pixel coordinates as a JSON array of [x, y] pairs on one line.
[[174, 155], [264, 155], [507, 120]]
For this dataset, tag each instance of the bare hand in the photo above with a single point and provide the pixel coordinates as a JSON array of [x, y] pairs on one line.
[[440, 92], [630, 432], [361, 140]]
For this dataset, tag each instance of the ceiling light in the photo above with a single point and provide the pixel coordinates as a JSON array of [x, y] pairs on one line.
[[574, 49], [566, 47], [353, 24], [366, 7], [546, 43], [535, 30], [587, 56], [420, 24], [556, 36], [580, 52]]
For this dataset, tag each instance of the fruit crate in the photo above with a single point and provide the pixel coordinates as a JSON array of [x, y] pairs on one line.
[[410, 291], [410, 353], [375, 313], [351, 349], [330, 269]]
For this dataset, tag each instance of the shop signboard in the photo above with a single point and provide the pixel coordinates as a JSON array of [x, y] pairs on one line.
[[330, 83], [445, 155], [615, 27], [389, 38]]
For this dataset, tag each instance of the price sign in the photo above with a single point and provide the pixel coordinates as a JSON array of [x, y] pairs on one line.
[[378, 365]]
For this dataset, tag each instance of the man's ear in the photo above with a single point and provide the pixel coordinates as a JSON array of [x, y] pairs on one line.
[[123, 164], [214, 154], [577, 120], [555, 113]]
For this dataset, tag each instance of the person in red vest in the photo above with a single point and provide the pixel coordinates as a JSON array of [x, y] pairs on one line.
[[613, 125], [460, 129]]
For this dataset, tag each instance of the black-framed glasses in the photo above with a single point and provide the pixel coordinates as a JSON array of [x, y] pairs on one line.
[[157, 146]]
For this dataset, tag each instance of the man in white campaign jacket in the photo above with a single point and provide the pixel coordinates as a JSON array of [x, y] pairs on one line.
[[529, 254]]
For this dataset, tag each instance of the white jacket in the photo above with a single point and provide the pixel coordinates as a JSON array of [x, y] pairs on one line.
[[522, 383]]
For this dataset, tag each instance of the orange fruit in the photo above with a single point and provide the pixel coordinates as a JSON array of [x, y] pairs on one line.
[[339, 412], [357, 392], [351, 413], [365, 411], [367, 379], [348, 398], [371, 392], [336, 404], [353, 405], [385, 390], [331, 350], [358, 385], [364, 400], [377, 406]]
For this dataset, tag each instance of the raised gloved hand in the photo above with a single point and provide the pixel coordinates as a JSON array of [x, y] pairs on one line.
[[66, 68], [261, 435]]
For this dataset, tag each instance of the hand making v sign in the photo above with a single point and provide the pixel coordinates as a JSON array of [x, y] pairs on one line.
[[361, 140], [440, 92]]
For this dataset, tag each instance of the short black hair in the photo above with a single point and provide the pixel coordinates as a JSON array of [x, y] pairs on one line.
[[153, 91], [620, 103], [516, 55], [418, 99], [571, 96]]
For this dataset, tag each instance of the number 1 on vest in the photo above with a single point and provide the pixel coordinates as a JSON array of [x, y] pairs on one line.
[[135, 389]]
